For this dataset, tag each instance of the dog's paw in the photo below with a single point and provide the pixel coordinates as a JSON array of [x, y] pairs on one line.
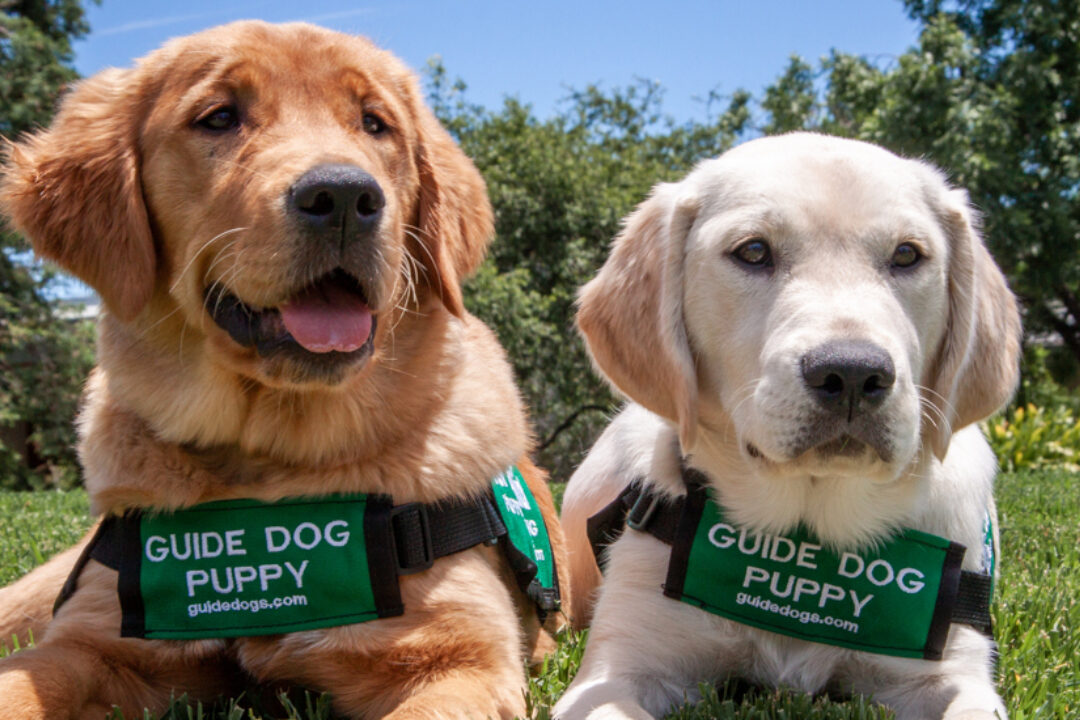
[[622, 710], [974, 715]]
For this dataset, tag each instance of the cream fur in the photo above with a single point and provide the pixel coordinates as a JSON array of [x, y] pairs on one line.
[[832, 212]]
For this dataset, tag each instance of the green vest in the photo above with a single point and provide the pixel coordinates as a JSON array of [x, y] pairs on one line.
[[238, 568]]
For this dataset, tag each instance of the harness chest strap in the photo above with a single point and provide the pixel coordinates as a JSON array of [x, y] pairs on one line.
[[243, 567], [897, 600]]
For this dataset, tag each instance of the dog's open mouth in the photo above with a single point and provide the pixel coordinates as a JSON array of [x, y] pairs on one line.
[[329, 318]]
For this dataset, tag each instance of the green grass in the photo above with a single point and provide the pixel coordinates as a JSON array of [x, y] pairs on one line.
[[35, 526], [1036, 616]]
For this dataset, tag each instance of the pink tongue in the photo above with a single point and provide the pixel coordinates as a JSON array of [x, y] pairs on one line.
[[327, 318]]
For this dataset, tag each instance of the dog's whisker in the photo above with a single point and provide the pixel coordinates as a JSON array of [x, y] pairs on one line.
[[228, 252], [408, 291], [180, 348], [411, 268], [248, 169], [933, 413], [146, 331], [391, 368], [747, 392], [431, 257], [944, 400], [199, 252]]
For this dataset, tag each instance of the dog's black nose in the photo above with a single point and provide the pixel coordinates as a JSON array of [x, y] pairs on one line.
[[848, 376], [340, 199]]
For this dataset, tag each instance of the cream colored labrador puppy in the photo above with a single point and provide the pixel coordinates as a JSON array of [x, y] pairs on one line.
[[802, 325]]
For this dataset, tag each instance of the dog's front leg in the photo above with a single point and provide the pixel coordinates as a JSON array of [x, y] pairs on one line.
[[597, 698], [447, 673], [51, 682], [976, 700], [958, 687], [75, 678], [26, 605], [83, 667], [456, 652], [645, 652], [465, 694]]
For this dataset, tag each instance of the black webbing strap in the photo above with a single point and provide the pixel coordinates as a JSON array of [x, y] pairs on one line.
[[105, 547], [642, 508], [424, 533], [973, 601]]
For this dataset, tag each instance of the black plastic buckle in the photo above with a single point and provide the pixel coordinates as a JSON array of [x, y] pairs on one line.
[[425, 533], [639, 516], [547, 599]]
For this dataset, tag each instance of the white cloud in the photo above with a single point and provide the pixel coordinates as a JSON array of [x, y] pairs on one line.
[[154, 22]]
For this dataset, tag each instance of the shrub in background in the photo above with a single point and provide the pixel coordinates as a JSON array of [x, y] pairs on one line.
[[1042, 430]]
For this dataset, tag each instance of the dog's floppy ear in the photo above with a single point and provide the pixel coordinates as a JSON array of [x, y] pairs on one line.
[[455, 219], [631, 313], [74, 190], [978, 363]]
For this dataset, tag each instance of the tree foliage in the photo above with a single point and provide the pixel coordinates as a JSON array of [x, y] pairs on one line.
[[991, 93], [35, 56], [43, 359], [560, 188]]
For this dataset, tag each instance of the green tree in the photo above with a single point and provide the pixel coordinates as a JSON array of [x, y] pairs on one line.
[[35, 55], [991, 93], [791, 102], [560, 188], [43, 359]]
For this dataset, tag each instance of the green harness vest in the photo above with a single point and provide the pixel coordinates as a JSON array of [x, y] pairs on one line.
[[239, 568], [897, 598]]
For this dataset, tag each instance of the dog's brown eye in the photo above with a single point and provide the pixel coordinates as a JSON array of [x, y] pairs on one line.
[[905, 255], [220, 119], [754, 252], [373, 124]]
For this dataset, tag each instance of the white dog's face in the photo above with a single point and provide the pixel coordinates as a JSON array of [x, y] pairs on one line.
[[815, 294], [815, 313]]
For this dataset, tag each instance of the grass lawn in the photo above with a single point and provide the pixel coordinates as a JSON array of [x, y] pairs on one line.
[[1036, 613]]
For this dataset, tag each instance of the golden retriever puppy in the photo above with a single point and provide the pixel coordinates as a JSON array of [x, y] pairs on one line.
[[278, 228], [802, 325]]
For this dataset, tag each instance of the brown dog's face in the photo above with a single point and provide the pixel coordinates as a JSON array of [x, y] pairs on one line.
[[277, 190], [281, 181]]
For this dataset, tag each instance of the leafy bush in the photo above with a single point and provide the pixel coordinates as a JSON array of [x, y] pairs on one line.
[[1032, 437], [1042, 428]]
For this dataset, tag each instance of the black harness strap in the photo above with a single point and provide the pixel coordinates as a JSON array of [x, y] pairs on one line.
[[103, 547], [421, 533], [973, 599], [424, 533], [642, 508]]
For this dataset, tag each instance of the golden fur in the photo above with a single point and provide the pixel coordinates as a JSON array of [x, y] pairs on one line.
[[129, 193]]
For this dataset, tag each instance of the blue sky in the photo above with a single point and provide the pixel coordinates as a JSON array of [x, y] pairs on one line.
[[538, 50]]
